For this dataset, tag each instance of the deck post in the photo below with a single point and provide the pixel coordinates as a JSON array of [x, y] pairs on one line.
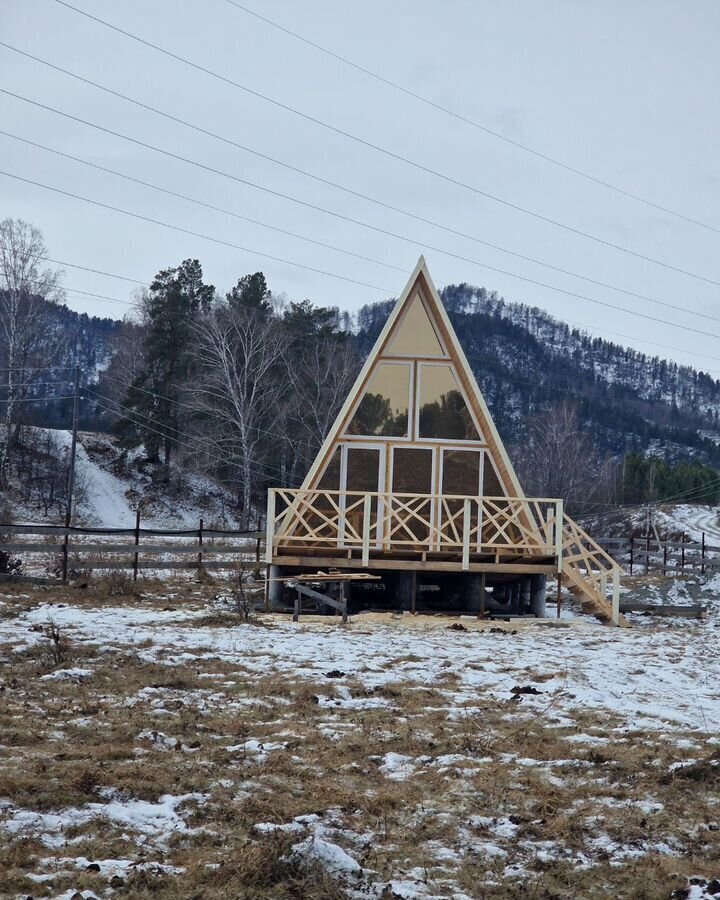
[[367, 507], [481, 613], [343, 600], [413, 593], [270, 526], [603, 584], [559, 593], [616, 597], [267, 588], [559, 535], [466, 535], [296, 607]]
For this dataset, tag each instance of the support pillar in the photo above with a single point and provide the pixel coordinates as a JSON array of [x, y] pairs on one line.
[[525, 595], [538, 596], [472, 590], [275, 587], [404, 584]]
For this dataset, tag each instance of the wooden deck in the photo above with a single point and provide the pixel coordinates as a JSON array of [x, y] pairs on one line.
[[504, 537]]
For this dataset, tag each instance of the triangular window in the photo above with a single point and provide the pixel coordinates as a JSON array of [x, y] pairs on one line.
[[415, 335], [442, 410]]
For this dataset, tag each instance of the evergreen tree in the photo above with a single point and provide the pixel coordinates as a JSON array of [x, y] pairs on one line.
[[176, 297], [251, 293]]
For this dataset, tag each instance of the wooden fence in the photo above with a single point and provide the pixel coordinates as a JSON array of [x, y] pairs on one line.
[[646, 554], [83, 549]]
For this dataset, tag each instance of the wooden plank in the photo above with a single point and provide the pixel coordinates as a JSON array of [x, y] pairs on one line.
[[27, 579], [431, 565], [159, 565], [61, 531], [38, 547], [657, 609]]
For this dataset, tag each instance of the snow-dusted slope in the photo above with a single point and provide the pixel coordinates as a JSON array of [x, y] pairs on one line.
[[104, 501]]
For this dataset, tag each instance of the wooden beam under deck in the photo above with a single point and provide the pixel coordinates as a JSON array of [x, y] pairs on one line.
[[412, 564]]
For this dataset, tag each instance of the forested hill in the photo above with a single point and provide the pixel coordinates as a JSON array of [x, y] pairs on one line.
[[64, 338], [526, 361]]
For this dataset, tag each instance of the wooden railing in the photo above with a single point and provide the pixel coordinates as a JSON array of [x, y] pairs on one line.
[[431, 523], [591, 570]]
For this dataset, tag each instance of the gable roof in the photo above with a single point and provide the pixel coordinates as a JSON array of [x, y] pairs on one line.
[[443, 345]]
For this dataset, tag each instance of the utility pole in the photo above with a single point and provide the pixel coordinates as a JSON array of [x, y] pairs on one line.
[[71, 470]]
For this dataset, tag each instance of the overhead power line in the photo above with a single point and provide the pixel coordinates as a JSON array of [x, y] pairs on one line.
[[383, 150], [196, 234], [214, 240], [220, 209], [60, 262], [297, 200], [474, 123], [422, 245]]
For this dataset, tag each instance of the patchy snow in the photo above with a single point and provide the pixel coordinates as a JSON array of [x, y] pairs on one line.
[[157, 821], [67, 675], [655, 678]]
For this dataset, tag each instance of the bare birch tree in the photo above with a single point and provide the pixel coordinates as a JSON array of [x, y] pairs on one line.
[[320, 374], [558, 459], [25, 289], [235, 388]]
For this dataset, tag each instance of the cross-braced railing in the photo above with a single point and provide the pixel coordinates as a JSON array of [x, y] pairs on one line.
[[591, 570], [430, 523]]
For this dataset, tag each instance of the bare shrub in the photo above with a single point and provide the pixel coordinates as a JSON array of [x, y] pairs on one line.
[[55, 650]]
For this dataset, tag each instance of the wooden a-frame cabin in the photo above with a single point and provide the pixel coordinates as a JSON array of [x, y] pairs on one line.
[[413, 483]]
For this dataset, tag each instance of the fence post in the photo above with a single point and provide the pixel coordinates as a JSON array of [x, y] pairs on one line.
[[665, 556], [682, 553], [200, 539], [257, 541], [65, 555], [136, 555], [632, 543], [647, 552], [702, 554]]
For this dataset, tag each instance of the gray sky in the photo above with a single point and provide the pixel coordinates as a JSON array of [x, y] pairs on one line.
[[625, 91]]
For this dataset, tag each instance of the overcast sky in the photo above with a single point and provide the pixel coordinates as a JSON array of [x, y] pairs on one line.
[[625, 91]]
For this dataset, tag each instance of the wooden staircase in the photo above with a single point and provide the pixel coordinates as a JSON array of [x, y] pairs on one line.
[[588, 571]]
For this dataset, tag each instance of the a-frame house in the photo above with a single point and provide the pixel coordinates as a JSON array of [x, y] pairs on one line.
[[413, 483]]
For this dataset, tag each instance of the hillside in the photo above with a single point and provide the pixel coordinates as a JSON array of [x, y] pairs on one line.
[[526, 361]]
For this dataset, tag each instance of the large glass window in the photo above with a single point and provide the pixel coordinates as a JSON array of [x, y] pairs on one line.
[[384, 407], [443, 412], [461, 472]]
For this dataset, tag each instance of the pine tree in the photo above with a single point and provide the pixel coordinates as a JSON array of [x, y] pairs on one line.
[[176, 297]]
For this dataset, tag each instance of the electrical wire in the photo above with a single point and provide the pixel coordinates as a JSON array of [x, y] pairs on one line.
[[421, 244], [214, 240], [197, 234], [381, 203], [383, 150], [468, 121]]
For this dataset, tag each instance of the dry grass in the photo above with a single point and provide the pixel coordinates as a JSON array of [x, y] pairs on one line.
[[143, 730]]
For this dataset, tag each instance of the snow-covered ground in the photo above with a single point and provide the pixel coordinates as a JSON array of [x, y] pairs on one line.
[[392, 758]]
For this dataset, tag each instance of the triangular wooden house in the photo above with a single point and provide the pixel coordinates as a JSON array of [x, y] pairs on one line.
[[413, 482]]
